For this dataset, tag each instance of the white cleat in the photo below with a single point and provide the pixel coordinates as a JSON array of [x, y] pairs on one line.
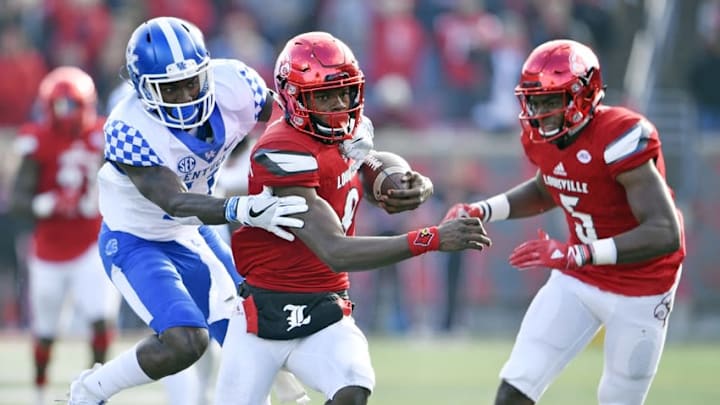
[[80, 394]]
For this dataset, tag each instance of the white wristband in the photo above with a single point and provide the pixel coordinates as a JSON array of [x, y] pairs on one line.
[[495, 208], [604, 251]]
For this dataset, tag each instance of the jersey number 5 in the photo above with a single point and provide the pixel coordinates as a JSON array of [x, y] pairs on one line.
[[584, 226]]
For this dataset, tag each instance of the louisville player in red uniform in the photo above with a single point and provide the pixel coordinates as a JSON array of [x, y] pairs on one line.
[[295, 313], [604, 167], [55, 185]]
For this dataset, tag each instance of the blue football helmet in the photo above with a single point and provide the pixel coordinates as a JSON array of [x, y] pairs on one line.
[[165, 50]]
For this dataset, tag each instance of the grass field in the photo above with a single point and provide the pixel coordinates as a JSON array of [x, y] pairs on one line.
[[409, 371]]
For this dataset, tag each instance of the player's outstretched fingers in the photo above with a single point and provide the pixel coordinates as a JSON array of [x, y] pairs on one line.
[[477, 235], [462, 233]]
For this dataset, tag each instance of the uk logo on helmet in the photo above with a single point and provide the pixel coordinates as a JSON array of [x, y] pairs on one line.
[[132, 60]]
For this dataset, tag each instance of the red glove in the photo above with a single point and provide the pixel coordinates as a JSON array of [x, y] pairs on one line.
[[462, 210], [546, 252]]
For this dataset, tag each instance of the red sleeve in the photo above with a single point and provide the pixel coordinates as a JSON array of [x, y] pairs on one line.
[[283, 166], [636, 143]]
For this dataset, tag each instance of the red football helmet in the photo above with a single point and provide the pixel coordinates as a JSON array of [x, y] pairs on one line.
[[68, 99], [314, 62], [565, 68]]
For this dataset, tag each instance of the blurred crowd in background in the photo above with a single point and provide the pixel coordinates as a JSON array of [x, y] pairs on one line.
[[426, 61], [436, 70]]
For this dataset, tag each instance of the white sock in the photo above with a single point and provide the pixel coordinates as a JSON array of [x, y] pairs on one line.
[[190, 386], [183, 388], [116, 375], [205, 367]]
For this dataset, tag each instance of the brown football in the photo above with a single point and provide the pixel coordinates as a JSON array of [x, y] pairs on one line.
[[382, 171]]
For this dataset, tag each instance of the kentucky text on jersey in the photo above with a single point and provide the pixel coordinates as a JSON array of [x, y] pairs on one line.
[[207, 172], [566, 184]]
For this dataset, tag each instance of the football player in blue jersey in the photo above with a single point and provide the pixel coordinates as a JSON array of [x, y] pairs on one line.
[[164, 145]]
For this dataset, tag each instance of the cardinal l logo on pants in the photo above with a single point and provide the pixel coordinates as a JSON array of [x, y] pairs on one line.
[[297, 316]]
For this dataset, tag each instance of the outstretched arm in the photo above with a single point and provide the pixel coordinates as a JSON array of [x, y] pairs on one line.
[[524, 200], [657, 233], [529, 198], [162, 186], [323, 233]]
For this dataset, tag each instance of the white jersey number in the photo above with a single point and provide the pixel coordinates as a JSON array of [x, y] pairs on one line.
[[584, 226], [77, 174], [351, 203]]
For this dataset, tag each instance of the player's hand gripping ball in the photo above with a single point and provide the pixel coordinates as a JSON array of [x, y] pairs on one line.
[[381, 172]]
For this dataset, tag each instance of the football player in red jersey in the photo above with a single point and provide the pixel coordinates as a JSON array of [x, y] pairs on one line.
[[56, 186], [295, 313], [604, 167]]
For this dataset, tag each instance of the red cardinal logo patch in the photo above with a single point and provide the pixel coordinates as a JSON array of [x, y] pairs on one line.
[[423, 238]]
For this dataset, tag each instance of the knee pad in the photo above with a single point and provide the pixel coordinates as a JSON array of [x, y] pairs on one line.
[[643, 360], [629, 381]]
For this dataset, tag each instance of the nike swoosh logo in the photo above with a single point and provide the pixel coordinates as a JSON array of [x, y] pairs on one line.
[[255, 214]]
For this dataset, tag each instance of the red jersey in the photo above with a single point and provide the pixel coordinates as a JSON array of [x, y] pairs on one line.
[[285, 157], [582, 180], [67, 164]]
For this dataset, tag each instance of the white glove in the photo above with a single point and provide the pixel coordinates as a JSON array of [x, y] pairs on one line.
[[267, 211], [44, 204], [362, 141]]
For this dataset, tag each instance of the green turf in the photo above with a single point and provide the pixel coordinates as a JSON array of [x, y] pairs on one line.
[[410, 371]]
